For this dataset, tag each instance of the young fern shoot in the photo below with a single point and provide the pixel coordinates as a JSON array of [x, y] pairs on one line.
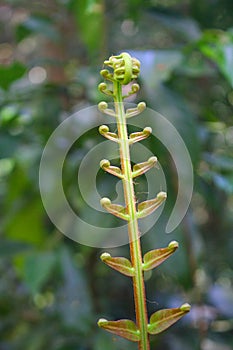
[[122, 70]]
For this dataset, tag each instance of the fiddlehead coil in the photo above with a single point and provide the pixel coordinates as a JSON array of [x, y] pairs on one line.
[[125, 68]]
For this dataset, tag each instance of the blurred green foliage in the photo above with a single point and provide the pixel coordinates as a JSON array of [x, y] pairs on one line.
[[52, 290]]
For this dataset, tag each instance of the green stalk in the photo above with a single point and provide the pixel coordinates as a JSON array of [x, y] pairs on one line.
[[133, 229], [125, 69]]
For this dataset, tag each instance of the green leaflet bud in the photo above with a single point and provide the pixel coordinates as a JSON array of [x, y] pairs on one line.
[[185, 307], [103, 129], [104, 163], [173, 245]]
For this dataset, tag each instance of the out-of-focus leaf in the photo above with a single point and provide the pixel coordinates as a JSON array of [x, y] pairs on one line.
[[221, 296], [8, 248], [218, 46], [166, 101], [215, 345], [37, 25], [24, 214], [223, 182], [17, 184], [8, 144], [89, 17], [135, 7], [8, 114], [91, 5], [6, 166], [157, 65], [9, 74], [104, 340], [184, 26], [193, 65], [219, 161], [35, 268], [75, 304], [26, 223]]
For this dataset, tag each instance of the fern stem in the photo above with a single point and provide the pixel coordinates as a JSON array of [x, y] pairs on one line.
[[133, 229]]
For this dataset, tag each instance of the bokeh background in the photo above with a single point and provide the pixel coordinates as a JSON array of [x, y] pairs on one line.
[[53, 290]]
